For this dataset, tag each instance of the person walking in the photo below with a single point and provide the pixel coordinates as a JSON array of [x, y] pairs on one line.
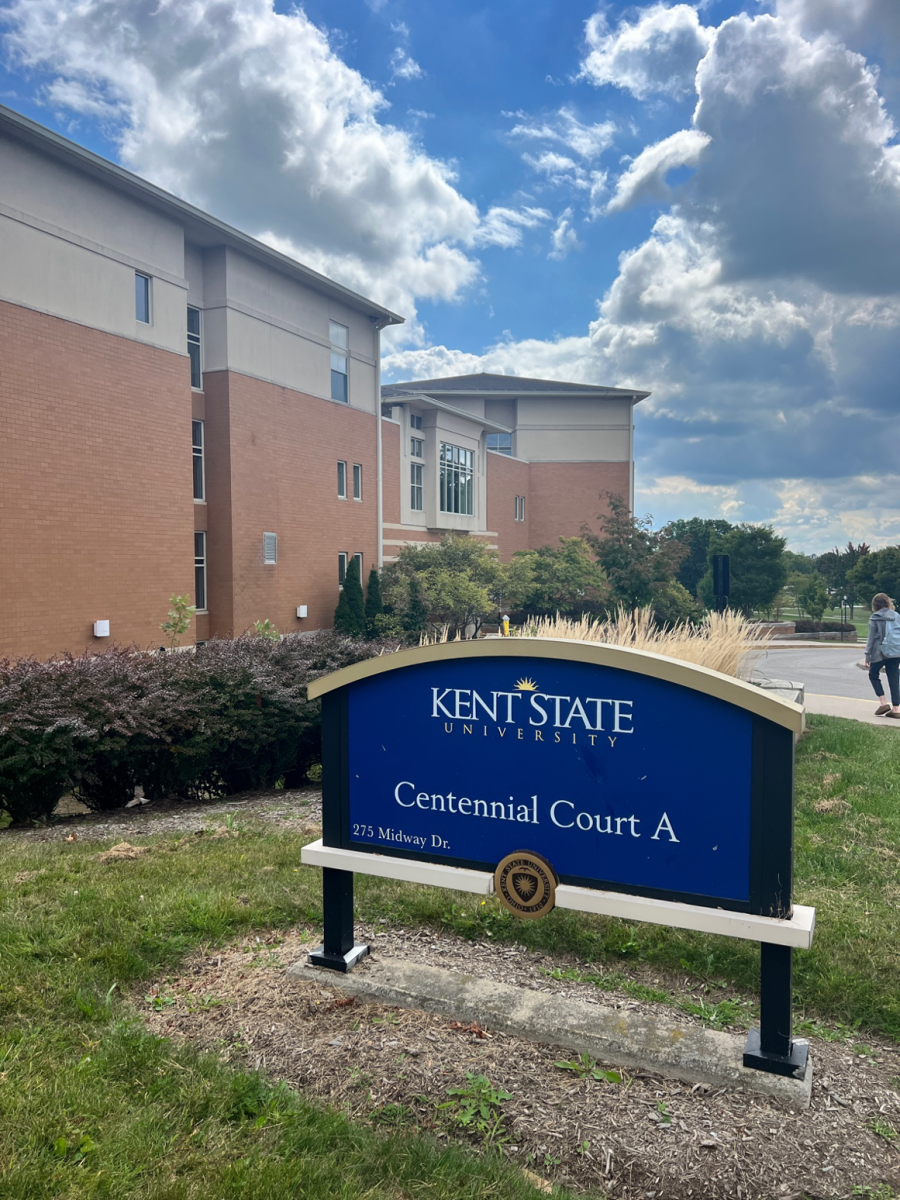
[[883, 650]]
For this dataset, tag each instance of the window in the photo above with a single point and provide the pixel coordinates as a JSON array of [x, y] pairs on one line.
[[457, 479], [520, 508], [270, 548], [342, 480], [415, 479], [357, 481], [501, 443], [342, 568], [200, 571], [199, 472], [142, 298], [415, 421], [358, 558], [339, 337], [415, 447], [193, 346]]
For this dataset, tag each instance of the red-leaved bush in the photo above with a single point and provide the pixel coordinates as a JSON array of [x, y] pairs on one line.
[[230, 716]]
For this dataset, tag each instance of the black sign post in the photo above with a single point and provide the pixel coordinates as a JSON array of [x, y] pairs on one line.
[[639, 786]]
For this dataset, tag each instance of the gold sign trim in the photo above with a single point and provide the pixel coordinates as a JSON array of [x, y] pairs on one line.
[[525, 883]]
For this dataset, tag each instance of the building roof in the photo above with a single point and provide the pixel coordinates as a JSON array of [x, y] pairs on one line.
[[484, 384], [200, 228]]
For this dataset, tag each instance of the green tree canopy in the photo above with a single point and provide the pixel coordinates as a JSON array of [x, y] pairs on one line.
[[802, 564], [565, 579], [350, 614], [877, 571], [758, 570], [458, 581], [636, 559], [695, 533], [813, 595], [836, 567]]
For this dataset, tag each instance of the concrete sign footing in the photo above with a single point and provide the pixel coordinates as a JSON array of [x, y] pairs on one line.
[[613, 1036]]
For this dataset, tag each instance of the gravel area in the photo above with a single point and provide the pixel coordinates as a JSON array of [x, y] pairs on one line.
[[625, 1136]]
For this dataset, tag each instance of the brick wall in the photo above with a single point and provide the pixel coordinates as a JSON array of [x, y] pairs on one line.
[[506, 479], [272, 468], [95, 485], [564, 496]]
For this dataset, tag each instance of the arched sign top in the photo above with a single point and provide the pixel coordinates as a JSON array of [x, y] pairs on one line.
[[641, 662]]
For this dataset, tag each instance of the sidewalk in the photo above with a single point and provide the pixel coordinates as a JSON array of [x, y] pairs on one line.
[[843, 706]]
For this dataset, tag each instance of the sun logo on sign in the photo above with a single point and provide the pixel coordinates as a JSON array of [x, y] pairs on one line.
[[526, 685]]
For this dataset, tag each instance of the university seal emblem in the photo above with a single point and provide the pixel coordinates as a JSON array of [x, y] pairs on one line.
[[526, 884]]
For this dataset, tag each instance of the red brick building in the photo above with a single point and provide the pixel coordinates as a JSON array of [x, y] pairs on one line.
[[185, 410]]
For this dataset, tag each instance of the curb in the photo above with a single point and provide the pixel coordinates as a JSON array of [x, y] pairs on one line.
[[615, 1036]]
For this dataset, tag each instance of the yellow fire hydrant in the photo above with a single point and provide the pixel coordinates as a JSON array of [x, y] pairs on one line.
[[505, 625]]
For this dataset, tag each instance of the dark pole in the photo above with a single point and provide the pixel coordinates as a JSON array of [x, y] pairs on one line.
[[770, 1048]]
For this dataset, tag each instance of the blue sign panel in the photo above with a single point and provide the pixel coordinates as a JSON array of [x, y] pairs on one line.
[[617, 778]]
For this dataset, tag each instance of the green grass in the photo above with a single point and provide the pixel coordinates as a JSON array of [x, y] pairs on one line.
[[91, 1105]]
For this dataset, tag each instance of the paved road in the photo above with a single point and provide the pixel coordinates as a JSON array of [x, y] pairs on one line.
[[825, 670]]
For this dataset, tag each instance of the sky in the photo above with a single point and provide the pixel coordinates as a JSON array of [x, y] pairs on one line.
[[700, 201]]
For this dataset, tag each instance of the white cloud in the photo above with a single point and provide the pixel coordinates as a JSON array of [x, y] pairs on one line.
[[190, 88], [658, 52], [404, 67], [503, 226], [563, 239], [763, 311], [646, 175]]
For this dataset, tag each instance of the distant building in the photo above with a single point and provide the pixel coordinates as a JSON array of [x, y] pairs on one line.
[[185, 410], [518, 462]]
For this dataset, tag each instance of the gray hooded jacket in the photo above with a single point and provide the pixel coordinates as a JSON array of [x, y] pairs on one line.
[[877, 624]]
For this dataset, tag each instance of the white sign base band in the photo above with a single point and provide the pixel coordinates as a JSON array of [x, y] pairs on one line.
[[798, 931]]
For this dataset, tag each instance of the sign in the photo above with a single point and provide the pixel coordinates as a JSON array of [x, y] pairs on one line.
[[558, 772]]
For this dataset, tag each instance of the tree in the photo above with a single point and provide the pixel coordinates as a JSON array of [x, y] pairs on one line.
[[374, 603], [350, 614], [696, 534], [813, 595], [458, 581], [564, 579], [836, 566], [802, 564], [877, 571], [636, 560], [758, 569]]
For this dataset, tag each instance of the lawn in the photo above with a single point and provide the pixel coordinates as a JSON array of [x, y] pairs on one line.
[[93, 1106]]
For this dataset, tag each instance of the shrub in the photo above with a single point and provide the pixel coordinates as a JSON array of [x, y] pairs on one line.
[[822, 627], [231, 716]]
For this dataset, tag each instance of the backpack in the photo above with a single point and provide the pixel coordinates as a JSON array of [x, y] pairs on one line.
[[890, 643]]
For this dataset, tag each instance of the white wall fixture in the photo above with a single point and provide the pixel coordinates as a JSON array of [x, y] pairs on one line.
[[101, 629], [301, 610]]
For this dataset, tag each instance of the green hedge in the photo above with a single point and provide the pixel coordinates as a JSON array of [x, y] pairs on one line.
[[230, 716]]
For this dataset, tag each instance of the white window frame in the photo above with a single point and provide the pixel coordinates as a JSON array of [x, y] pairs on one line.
[[416, 447], [507, 449], [415, 421], [270, 549], [357, 481], [457, 480], [342, 479], [194, 339], [339, 337], [359, 562], [200, 573], [416, 489], [198, 449], [148, 291], [343, 559]]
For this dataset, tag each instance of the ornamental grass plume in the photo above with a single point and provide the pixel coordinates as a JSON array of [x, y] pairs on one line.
[[725, 642]]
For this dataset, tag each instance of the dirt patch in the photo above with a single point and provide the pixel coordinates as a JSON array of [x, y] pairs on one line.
[[119, 851], [619, 1132]]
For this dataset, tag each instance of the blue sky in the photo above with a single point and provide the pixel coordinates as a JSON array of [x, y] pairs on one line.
[[701, 201]]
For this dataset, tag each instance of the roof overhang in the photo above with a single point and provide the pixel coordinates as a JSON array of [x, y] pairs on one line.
[[430, 402]]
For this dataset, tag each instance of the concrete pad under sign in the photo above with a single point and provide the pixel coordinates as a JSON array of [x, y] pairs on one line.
[[613, 1036]]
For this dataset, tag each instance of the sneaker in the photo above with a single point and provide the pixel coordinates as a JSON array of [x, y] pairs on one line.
[[882, 709]]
